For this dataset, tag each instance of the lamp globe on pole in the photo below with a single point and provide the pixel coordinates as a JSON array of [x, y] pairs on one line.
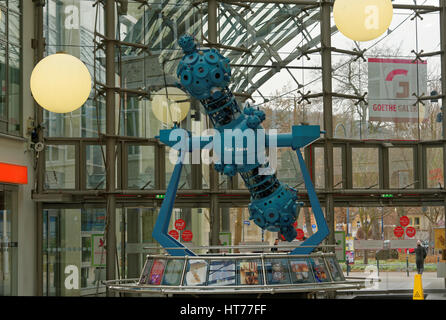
[[60, 83], [362, 20]]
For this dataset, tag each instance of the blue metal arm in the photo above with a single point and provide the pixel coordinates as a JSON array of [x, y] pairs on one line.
[[322, 228], [299, 137], [160, 232]]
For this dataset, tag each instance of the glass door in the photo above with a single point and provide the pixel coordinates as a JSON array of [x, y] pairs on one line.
[[51, 253], [74, 256], [8, 240], [138, 226]]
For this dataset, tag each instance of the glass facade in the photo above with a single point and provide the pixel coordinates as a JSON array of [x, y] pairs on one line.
[[274, 35], [10, 67]]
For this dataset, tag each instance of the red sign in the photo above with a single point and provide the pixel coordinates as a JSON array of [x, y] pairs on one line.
[[398, 232], [295, 224], [174, 234], [180, 224], [11, 173], [411, 232], [300, 234], [187, 235], [404, 221]]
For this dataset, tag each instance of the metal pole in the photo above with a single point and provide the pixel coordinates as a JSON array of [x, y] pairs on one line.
[[110, 139], [39, 50], [328, 114], [407, 264], [377, 265], [442, 5], [348, 221], [214, 206], [443, 81], [346, 263], [212, 20]]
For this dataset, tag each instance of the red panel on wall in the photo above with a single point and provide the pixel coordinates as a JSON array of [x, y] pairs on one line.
[[11, 173]]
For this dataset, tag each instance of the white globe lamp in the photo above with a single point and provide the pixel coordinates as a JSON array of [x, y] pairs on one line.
[[172, 106], [60, 83], [362, 20]]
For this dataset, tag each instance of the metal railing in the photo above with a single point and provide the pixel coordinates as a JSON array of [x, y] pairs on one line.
[[334, 280]]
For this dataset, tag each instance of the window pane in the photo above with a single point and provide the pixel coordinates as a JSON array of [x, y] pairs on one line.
[[186, 172], [3, 25], [173, 272], [319, 168], [319, 270], [435, 175], [337, 170], [401, 168], [205, 178], [365, 167], [250, 272], [196, 273], [95, 167], [14, 90], [221, 273], [60, 167], [3, 100], [301, 271], [277, 271], [141, 167], [319, 165], [14, 5], [288, 169], [14, 28], [335, 269]]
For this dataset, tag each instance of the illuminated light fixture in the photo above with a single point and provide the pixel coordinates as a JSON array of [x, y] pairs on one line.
[[363, 20], [171, 107], [60, 83]]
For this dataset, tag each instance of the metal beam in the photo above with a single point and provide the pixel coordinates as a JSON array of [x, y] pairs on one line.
[[39, 51], [297, 2], [213, 175], [327, 89], [443, 86], [110, 141]]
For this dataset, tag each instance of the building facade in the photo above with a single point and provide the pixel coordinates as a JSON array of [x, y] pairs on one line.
[[18, 218]]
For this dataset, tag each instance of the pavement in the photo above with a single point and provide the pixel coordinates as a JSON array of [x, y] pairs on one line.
[[397, 283]]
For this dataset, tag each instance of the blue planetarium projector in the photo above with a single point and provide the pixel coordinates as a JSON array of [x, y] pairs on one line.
[[205, 74]]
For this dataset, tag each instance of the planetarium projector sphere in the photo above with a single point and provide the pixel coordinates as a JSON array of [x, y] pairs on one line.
[[60, 83], [362, 20]]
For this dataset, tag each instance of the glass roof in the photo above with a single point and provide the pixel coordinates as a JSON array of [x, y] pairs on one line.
[[267, 34]]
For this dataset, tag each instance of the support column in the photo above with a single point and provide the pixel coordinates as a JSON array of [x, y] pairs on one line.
[[212, 20], [110, 139], [39, 51], [327, 90], [442, 5], [213, 175]]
